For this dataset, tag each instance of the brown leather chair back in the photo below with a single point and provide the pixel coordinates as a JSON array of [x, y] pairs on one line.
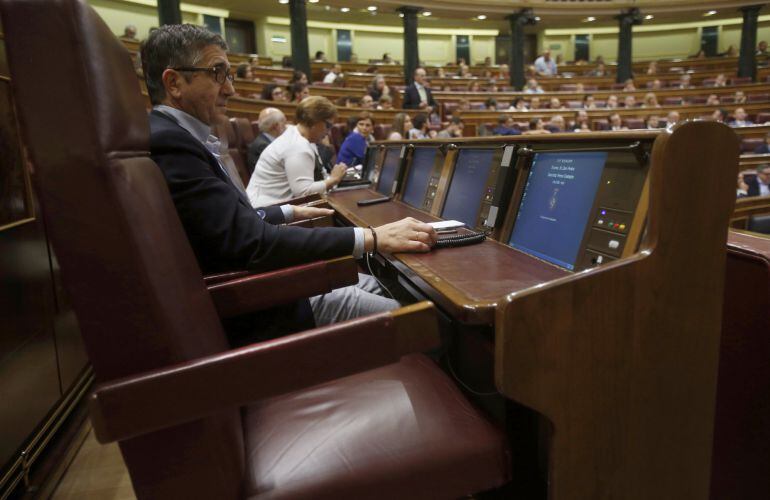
[[125, 260]]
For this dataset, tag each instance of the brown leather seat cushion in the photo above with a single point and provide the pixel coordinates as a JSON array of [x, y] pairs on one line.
[[377, 434]]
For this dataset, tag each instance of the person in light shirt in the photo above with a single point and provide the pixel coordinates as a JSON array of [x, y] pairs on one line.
[[289, 166], [759, 186], [545, 66], [333, 73]]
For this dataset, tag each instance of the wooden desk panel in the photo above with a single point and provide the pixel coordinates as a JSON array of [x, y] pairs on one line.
[[468, 281]]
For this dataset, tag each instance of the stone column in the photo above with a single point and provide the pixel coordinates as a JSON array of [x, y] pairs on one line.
[[300, 56], [747, 62], [169, 12], [626, 19], [411, 52], [516, 52]]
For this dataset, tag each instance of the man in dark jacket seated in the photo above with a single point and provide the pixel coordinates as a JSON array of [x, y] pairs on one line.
[[189, 80]]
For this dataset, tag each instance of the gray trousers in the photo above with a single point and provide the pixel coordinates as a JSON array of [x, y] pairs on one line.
[[351, 302]]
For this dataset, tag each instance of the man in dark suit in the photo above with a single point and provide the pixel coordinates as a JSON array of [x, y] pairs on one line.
[[758, 185], [418, 96], [764, 148], [189, 80], [272, 123]]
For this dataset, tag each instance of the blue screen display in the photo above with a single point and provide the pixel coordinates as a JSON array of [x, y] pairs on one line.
[[556, 205], [466, 190], [419, 175], [389, 170]]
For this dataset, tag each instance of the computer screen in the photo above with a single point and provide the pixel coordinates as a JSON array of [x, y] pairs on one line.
[[556, 205], [466, 189], [419, 174], [389, 170], [371, 157]]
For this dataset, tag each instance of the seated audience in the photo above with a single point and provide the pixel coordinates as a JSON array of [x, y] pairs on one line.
[[225, 232], [536, 127], [557, 123], [684, 81], [298, 76], [616, 123], [492, 87], [579, 88], [463, 71], [759, 186], [490, 104], [534, 103], [505, 126], [672, 118], [272, 123], [720, 81], [378, 88], [463, 105], [581, 121], [333, 73], [243, 71], [473, 86], [589, 102], [629, 102], [319, 56], [273, 92], [741, 119], [419, 128], [599, 70], [385, 102], [655, 85], [555, 103], [366, 102], [386, 59], [532, 87], [129, 33], [418, 95], [730, 52], [353, 149], [712, 100], [612, 102], [629, 85], [287, 167], [762, 48], [545, 66], [739, 97], [518, 104], [650, 100], [652, 68], [453, 129], [652, 122], [487, 61], [297, 92], [764, 148], [402, 124], [719, 115]]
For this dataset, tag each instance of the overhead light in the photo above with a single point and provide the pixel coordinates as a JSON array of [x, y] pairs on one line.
[[345, 9], [649, 16], [537, 18], [590, 18], [710, 13], [400, 14], [313, 1], [371, 8], [283, 1], [427, 13], [481, 17]]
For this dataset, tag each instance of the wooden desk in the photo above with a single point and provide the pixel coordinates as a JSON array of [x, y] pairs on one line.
[[467, 292]]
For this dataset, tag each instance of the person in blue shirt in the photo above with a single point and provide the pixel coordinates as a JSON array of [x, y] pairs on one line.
[[353, 149], [505, 126]]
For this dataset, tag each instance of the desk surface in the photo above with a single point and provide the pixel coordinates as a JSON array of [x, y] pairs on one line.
[[467, 281]]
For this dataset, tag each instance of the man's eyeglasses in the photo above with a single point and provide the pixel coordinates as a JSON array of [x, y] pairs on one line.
[[220, 72]]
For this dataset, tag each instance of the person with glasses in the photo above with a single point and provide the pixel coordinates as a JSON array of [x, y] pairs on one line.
[[189, 81], [289, 166]]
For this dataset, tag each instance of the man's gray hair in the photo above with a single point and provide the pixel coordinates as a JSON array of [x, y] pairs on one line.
[[173, 46], [269, 118]]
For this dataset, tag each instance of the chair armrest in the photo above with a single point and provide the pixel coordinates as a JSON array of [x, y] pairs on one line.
[[177, 394], [300, 200], [213, 279], [262, 291], [323, 221]]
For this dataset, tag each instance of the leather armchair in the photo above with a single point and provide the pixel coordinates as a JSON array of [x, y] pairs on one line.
[[328, 413]]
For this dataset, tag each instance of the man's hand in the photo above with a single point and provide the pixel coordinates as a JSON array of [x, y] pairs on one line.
[[303, 213], [742, 184], [406, 235], [336, 175]]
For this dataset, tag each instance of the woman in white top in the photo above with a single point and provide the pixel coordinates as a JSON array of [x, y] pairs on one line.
[[287, 167]]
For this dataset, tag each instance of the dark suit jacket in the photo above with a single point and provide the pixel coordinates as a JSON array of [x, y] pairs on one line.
[[753, 187], [412, 98], [255, 151], [762, 149], [225, 232]]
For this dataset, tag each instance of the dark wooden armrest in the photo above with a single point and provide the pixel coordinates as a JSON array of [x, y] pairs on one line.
[[176, 394], [299, 200], [323, 221], [262, 291], [213, 279]]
